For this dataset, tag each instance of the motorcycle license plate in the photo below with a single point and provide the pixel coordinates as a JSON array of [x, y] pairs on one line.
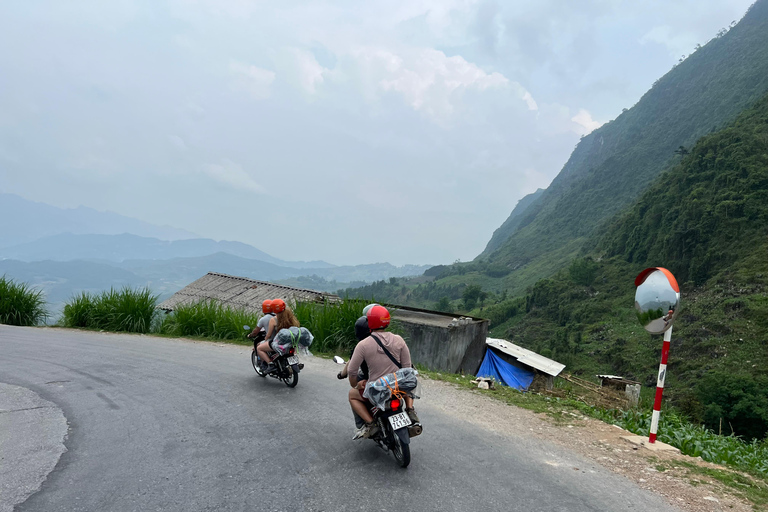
[[399, 420], [293, 360]]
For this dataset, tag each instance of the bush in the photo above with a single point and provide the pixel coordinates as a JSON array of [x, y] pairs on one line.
[[209, 319], [128, 310], [738, 400], [332, 324], [20, 304]]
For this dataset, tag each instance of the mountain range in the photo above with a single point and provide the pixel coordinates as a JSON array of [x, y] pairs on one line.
[[84, 250]]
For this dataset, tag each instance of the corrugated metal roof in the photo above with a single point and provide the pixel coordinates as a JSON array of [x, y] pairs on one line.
[[240, 293], [527, 357]]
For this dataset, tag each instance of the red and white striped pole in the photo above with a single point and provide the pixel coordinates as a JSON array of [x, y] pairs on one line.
[[660, 385], [657, 288]]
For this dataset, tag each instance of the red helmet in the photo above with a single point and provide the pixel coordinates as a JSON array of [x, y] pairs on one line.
[[378, 317], [266, 306], [278, 306]]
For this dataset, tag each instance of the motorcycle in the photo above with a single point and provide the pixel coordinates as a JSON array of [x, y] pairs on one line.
[[286, 365], [395, 428]]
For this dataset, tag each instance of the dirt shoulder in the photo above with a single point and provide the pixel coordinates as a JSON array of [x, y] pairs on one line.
[[665, 473]]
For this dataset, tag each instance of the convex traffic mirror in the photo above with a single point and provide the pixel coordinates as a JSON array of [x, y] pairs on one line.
[[657, 299]]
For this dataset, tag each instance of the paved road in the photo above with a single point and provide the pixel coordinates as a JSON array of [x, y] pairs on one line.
[[173, 425]]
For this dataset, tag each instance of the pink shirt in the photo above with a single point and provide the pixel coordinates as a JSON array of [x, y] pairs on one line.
[[378, 362]]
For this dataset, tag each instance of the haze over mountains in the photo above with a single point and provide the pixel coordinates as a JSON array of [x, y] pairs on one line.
[[85, 250]]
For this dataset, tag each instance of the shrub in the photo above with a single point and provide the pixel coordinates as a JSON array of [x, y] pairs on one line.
[[332, 324], [207, 318], [20, 304], [738, 400], [129, 310]]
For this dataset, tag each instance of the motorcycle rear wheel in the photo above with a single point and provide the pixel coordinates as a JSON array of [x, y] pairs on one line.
[[402, 452], [255, 362], [292, 376]]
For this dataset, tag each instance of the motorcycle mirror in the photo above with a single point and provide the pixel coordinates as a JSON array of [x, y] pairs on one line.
[[657, 299], [246, 327], [338, 360]]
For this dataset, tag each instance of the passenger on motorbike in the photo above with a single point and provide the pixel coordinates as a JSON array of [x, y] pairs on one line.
[[261, 327], [283, 320], [379, 365], [361, 332]]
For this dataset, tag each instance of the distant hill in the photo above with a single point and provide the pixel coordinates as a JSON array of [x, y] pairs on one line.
[[117, 248], [616, 163], [23, 221], [61, 279]]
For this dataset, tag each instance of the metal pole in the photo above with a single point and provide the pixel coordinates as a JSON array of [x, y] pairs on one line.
[[660, 385]]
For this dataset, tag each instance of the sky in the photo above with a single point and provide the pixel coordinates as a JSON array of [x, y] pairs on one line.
[[352, 132]]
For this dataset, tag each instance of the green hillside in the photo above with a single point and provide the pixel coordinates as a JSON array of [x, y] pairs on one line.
[[614, 164], [706, 219]]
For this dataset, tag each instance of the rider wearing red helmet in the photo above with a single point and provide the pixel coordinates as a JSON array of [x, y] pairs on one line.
[[284, 319], [371, 350], [263, 324]]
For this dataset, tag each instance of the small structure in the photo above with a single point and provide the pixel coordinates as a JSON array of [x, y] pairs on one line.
[[528, 363], [240, 293], [440, 341], [629, 387]]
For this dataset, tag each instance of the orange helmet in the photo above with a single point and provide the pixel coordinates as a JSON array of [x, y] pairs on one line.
[[278, 306], [266, 306], [378, 317]]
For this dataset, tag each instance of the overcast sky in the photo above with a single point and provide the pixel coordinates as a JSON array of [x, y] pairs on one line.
[[350, 131]]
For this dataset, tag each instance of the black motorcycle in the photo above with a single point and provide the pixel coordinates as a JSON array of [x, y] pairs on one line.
[[285, 364], [394, 432]]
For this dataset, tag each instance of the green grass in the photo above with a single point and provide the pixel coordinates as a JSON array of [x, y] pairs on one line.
[[207, 319], [332, 324], [125, 310], [20, 304], [695, 440]]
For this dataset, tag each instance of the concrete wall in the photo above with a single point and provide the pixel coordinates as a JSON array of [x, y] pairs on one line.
[[448, 349]]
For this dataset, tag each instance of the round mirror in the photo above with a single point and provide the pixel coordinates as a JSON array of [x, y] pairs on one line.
[[246, 327], [657, 299], [338, 360]]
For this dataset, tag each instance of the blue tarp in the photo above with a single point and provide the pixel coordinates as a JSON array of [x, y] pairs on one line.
[[496, 368]]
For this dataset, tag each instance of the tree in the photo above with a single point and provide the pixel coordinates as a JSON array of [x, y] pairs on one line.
[[444, 304], [682, 151], [471, 295]]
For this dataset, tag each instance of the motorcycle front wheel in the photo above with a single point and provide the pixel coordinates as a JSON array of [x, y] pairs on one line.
[[256, 364], [291, 376], [402, 452]]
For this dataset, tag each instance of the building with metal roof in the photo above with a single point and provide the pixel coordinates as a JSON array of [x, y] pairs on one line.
[[526, 357], [240, 293]]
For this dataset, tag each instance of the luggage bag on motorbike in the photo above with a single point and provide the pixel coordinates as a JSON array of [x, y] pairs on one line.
[[291, 337], [380, 390]]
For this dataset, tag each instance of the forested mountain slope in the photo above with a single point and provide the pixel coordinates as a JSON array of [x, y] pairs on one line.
[[614, 164], [706, 219]]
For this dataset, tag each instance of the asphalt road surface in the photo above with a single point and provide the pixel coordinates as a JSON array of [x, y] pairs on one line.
[[174, 425]]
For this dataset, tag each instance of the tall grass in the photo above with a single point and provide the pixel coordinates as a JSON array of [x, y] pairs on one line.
[[332, 324], [20, 304], [695, 440], [208, 319], [127, 310]]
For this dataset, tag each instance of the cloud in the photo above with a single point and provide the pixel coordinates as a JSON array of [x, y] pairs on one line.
[[585, 122], [677, 43], [429, 81], [178, 142], [231, 174], [251, 79]]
